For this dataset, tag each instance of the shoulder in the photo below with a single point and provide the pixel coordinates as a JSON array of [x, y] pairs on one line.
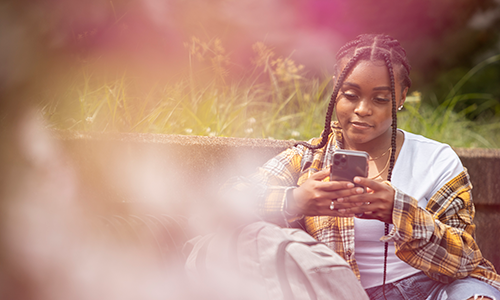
[[435, 159], [430, 149], [422, 140]]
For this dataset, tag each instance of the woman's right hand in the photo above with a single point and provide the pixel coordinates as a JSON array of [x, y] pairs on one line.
[[314, 196]]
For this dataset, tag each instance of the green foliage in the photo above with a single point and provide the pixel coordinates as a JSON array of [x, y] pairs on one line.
[[445, 123], [480, 83], [275, 101]]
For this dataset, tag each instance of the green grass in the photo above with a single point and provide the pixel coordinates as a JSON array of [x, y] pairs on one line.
[[445, 123], [277, 100]]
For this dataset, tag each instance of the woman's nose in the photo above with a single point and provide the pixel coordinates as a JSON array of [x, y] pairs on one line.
[[363, 108]]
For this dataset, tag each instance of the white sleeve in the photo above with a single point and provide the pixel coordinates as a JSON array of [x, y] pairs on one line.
[[424, 166], [446, 166]]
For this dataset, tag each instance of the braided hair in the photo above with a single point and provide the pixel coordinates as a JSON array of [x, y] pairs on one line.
[[371, 47]]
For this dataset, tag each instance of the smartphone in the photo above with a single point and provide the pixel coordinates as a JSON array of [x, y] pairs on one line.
[[348, 164]]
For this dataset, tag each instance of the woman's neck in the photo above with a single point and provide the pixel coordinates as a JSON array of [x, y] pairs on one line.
[[380, 154], [374, 147]]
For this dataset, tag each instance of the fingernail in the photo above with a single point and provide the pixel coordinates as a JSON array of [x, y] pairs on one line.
[[357, 179], [350, 185], [359, 190], [340, 199]]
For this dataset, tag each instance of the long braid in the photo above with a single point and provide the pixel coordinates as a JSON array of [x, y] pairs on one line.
[[394, 125], [328, 119], [394, 117]]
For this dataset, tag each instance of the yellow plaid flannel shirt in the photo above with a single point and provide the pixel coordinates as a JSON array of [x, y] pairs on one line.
[[438, 240]]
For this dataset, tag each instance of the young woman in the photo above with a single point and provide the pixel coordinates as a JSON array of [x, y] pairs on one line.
[[408, 233]]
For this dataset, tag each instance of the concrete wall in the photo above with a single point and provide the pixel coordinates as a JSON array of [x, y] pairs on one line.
[[196, 166]]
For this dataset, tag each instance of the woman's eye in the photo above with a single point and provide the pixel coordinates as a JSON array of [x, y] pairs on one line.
[[350, 96], [381, 99]]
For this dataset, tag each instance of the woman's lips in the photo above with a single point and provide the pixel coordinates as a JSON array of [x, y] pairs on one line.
[[361, 125]]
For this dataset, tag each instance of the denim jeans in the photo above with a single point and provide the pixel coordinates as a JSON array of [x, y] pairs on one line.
[[419, 286]]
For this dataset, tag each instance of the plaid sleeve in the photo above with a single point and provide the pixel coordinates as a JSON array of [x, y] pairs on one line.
[[273, 180], [439, 239], [276, 177], [268, 187]]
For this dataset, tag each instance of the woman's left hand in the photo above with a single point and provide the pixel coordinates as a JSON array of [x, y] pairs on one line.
[[376, 203]]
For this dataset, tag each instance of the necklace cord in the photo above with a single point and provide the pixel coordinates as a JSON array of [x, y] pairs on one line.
[[383, 154], [385, 167]]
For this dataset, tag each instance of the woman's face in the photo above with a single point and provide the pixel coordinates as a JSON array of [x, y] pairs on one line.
[[364, 107]]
